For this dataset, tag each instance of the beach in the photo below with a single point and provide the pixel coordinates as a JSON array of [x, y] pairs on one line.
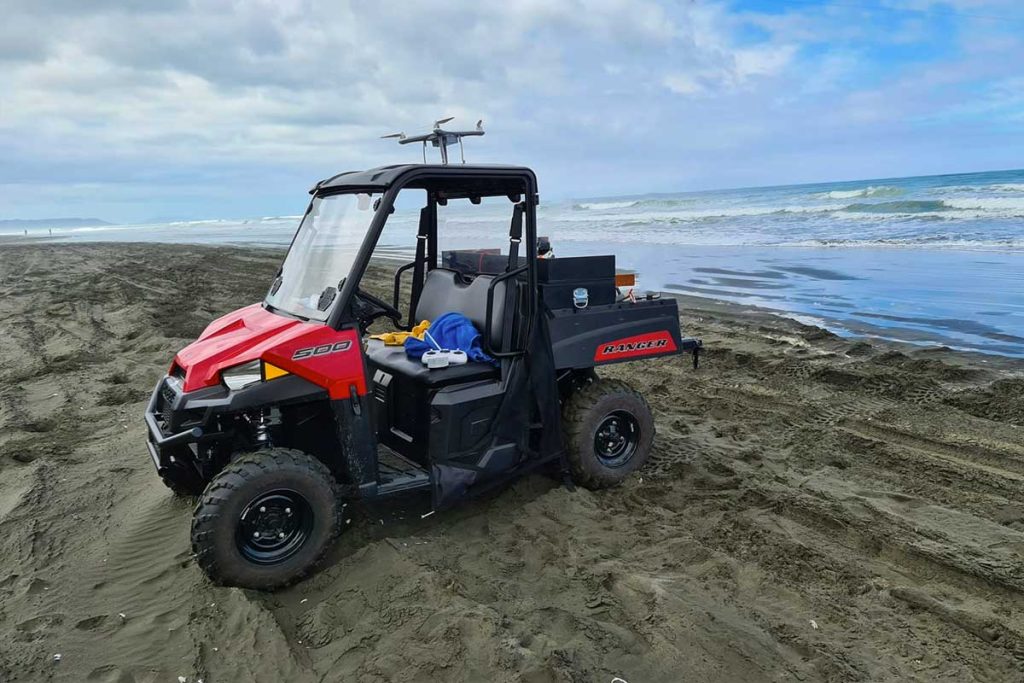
[[817, 507]]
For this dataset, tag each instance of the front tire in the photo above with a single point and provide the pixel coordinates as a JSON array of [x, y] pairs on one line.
[[266, 519], [609, 430]]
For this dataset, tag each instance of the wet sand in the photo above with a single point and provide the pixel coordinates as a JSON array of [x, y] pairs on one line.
[[816, 509]]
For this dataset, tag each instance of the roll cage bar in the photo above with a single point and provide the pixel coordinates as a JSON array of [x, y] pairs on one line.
[[441, 183]]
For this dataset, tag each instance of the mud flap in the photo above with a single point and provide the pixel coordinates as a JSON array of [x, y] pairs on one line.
[[451, 484]]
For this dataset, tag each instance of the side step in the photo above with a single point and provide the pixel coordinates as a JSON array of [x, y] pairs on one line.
[[397, 473]]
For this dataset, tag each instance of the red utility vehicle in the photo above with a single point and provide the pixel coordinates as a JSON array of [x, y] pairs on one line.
[[284, 409]]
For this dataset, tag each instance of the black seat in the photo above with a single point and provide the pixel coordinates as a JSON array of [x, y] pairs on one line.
[[446, 291], [394, 361]]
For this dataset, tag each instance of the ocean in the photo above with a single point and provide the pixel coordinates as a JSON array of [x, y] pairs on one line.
[[936, 260]]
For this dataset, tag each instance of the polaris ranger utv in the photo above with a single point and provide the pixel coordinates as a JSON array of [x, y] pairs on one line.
[[285, 409]]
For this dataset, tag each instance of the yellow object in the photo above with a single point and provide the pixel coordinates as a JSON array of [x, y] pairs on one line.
[[398, 338], [272, 372]]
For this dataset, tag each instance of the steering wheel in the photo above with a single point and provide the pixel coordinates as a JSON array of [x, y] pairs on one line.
[[368, 308]]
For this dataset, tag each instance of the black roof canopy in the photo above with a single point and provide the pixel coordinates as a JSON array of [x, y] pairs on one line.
[[464, 180]]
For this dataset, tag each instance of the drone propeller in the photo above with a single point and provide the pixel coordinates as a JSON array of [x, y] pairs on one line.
[[440, 121], [400, 136]]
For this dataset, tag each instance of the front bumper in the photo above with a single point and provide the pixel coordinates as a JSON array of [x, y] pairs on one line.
[[175, 430], [184, 427]]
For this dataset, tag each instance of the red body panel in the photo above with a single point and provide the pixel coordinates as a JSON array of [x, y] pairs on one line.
[[326, 357], [649, 344]]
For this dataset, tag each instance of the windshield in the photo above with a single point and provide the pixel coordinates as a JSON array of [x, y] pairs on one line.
[[322, 255]]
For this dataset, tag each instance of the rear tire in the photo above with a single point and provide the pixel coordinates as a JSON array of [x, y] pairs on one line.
[[266, 519], [609, 430]]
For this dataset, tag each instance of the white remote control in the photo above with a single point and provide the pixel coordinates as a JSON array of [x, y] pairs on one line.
[[435, 359], [442, 358]]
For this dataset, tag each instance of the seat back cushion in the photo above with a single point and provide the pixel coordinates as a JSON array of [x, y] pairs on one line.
[[444, 291]]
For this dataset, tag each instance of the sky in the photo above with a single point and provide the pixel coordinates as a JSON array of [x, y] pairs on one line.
[[139, 111]]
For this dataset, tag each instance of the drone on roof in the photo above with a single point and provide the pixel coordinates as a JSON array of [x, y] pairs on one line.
[[440, 138]]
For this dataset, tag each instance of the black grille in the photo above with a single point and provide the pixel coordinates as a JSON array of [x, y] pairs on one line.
[[167, 398]]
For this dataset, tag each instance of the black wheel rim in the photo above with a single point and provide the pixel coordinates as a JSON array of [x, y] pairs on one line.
[[616, 439], [273, 527]]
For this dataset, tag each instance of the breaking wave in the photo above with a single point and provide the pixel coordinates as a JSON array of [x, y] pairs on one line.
[[600, 206], [961, 207], [1006, 205], [1008, 187], [687, 210], [870, 191], [687, 216], [993, 188]]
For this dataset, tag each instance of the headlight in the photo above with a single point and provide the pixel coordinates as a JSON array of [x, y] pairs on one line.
[[241, 376], [246, 374]]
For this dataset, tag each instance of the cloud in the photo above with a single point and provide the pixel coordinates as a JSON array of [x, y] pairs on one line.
[[187, 105], [684, 84], [732, 74]]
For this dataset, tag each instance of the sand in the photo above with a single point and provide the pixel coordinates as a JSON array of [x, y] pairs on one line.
[[815, 509]]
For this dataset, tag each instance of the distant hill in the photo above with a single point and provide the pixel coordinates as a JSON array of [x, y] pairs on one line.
[[19, 224]]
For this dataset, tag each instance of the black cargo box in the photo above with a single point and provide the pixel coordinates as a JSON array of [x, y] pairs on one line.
[[559, 277], [598, 335]]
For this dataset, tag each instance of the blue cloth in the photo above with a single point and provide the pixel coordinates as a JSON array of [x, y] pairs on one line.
[[452, 331]]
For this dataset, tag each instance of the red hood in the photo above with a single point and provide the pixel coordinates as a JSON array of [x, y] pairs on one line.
[[236, 338]]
